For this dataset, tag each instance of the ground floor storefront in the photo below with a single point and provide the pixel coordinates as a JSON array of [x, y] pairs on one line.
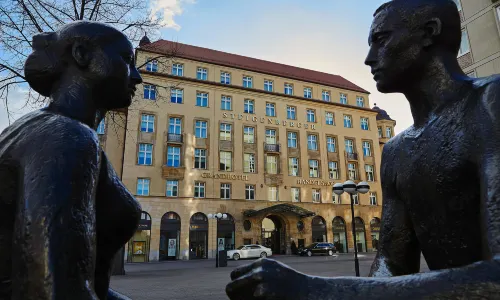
[[172, 229]]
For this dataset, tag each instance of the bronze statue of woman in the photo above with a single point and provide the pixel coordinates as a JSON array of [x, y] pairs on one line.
[[64, 212]]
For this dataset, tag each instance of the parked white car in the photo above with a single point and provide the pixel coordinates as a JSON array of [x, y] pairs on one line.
[[249, 251]]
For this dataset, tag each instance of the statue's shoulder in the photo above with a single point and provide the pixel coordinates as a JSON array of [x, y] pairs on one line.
[[489, 89]]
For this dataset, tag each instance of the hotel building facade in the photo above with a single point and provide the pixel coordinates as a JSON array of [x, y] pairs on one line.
[[259, 141]]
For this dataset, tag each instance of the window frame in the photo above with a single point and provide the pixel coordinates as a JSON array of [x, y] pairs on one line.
[[311, 112], [178, 66], [308, 92], [333, 173], [251, 161], [200, 158], [247, 79], [245, 134], [328, 97], [202, 73], [145, 151], [173, 155], [291, 166], [201, 129], [225, 161], [313, 168], [269, 83], [226, 187], [226, 99], [143, 179], [316, 195], [224, 133], [176, 94], [297, 189], [249, 191], [310, 142], [291, 110], [175, 188], [201, 186]]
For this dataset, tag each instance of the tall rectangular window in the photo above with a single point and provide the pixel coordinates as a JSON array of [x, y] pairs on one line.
[[145, 156], [373, 198], [248, 106], [225, 78], [152, 65], [311, 115], [380, 132], [249, 135], [101, 128], [143, 187], [225, 132], [201, 73], [200, 158], [176, 95], [312, 142], [178, 69], [367, 148], [268, 85], [307, 93], [364, 124], [333, 170], [355, 199], [200, 129], [199, 189], [225, 163], [175, 125], [343, 98], [330, 144], [349, 146], [249, 163], [292, 139], [288, 89], [270, 109], [272, 164], [369, 173], [352, 171], [388, 132], [149, 92], [293, 166], [249, 192], [272, 193], [271, 136], [173, 156], [225, 103], [247, 81], [329, 118], [147, 123], [225, 191], [360, 101], [347, 121], [325, 95], [464, 44], [335, 198], [291, 113], [316, 195], [172, 188], [202, 99], [313, 168], [295, 192]]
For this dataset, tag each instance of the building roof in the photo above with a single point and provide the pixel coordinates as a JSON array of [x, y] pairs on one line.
[[381, 114], [248, 63], [144, 41]]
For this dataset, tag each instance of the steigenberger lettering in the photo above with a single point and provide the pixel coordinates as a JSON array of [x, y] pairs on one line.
[[315, 182], [225, 176], [269, 121]]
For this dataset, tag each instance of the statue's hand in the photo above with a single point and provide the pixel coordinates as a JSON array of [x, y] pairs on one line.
[[267, 279]]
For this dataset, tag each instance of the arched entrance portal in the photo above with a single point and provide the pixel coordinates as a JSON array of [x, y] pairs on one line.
[[375, 229], [198, 236], [339, 234], [225, 230], [274, 234], [170, 234], [318, 229], [360, 234]]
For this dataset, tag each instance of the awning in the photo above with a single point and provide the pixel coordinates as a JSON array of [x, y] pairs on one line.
[[281, 208]]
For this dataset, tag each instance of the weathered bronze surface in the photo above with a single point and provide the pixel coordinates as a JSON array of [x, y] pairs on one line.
[[63, 211], [440, 177]]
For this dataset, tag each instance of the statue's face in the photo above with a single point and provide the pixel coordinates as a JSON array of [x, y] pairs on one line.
[[395, 52]]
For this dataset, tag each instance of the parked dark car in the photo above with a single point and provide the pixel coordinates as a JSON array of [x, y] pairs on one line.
[[318, 248]]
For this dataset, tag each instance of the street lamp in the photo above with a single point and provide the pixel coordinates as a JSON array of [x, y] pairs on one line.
[[351, 188], [217, 216]]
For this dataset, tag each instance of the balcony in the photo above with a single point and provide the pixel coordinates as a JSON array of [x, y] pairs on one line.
[[174, 138], [351, 156], [272, 147]]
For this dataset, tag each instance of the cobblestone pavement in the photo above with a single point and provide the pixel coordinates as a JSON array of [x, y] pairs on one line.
[[201, 280]]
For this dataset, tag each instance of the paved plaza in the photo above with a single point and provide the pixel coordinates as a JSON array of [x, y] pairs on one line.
[[201, 280]]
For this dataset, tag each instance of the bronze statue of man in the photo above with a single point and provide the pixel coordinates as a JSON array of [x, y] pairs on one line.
[[64, 212], [440, 177]]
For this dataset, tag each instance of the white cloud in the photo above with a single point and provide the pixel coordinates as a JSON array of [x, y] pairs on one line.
[[15, 107], [167, 10]]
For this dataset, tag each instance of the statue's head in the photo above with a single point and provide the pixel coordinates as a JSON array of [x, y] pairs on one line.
[[94, 55], [404, 37]]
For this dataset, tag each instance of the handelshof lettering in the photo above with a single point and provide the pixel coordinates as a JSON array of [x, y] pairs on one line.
[[225, 176], [269, 121]]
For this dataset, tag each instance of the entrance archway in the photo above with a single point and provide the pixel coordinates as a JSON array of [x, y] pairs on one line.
[[274, 234], [318, 225], [339, 234], [138, 246], [360, 234], [225, 230], [198, 236], [375, 230], [170, 234]]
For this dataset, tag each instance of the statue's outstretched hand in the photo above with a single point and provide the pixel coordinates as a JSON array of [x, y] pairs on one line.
[[267, 279]]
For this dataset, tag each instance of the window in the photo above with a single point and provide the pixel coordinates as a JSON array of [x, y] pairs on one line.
[[291, 113], [335, 198], [360, 101], [178, 69], [343, 98], [355, 199], [364, 124], [176, 95], [270, 136], [352, 173], [325, 95], [247, 81], [249, 192], [225, 103], [369, 173], [199, 189], [367, 148], [272, 193], [249, 163], [272, 164], [388, 132], [175, 126], [249, 135], [270, 109], [200, 129], [225, 132], [202, 99], [311, 115], [288, 89], [225, 161], [333, 170], [149, 92], [152, 65], [349, 146], [249, 106], [268, 85], [172, 188], [295, 194], [292, 139], [200, 158], [308, 93], [464, 44], [225, 78], [173, 156], [330, 144], [142, 187], [313, 168], [145, 156], [347, 121], [225, 191], [380, 132], [316, 195], [312, 142], [147, 123], [202, 74], [101, 128], [373, 198], [293, 166], [329, 118]]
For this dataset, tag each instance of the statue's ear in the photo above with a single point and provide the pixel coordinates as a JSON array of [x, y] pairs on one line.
[[432, 29], [82, 53]]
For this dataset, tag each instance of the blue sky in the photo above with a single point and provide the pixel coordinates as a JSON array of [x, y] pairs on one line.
[[324, 35]]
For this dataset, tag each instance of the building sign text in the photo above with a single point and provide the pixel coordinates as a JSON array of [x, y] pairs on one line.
[[269, 121], [225, 176]]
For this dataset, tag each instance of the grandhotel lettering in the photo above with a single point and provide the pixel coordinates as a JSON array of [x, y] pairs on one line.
[[315, 182], [269, 121], [225, 176]]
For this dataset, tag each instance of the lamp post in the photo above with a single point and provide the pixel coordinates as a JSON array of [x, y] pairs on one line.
[[351, 188], [217, 217]]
